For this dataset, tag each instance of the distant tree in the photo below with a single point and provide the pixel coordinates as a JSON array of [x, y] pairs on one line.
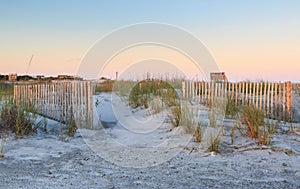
[[3, 77], [25, 78]]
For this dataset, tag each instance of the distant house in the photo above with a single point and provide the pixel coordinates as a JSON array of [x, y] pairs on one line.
[[12, 77], [39, 77], [68, 77], [218, 76], [63, 77]]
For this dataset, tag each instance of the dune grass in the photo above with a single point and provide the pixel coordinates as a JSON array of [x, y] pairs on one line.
[[232, 109], [71, 125], [106, 86], [198, 133], [255, 125], [6, 90], [145, 91], [20, 119], [214, 144]]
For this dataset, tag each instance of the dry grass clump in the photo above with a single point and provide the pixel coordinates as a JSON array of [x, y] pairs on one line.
[[175, 116], [185, 116], [198, 133], [214, 144], [188, 118], [256, 127], [254, 119], [71, 125], [6, 90], [211, 139], [19, 119], [232, 109]]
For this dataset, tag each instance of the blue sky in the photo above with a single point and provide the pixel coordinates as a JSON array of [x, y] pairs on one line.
[[109, 14], [240, 34]]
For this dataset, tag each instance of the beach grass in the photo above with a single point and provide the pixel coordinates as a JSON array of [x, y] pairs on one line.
[[256, 127], [6, 90], [19, 118]]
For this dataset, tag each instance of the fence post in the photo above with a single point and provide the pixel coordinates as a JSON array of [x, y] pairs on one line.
[[183, 89], [272, 99], [243, 93], [209, 92], [202, 91], [265, 98], [236, 93], [257, 93], [226, 90], [247, 93], [198, 91], [219, 89], [268, 99], [280, 101], [289, 100], [260, 95], [193, 89], [206, 92], [276, 108]]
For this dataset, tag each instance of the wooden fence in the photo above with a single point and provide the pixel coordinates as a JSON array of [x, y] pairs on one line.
[[60, 101], [273, 98], [296, 87]]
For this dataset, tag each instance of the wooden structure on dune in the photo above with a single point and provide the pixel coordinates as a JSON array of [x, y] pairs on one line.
[[218, 76]]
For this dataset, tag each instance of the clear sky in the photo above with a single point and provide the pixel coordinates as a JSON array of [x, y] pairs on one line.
[[257, 39]]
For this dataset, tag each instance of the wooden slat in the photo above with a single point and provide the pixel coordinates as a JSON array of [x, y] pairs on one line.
[[183, 89], [288, 102], [268, 99]]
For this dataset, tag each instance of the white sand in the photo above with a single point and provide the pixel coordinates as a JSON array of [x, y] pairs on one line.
[[166, 159]]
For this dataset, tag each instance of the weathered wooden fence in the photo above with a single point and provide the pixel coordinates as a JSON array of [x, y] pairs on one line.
[[60, 101], [273, 98], [296, 87]]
